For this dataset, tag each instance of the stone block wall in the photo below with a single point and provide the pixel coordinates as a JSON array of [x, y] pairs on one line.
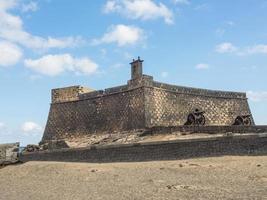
[[168, 105], [116, 109], [168, 150]]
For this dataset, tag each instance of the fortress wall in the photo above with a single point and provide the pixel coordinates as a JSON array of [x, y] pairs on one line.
[[96, 114], [168, 105], [142, 103]]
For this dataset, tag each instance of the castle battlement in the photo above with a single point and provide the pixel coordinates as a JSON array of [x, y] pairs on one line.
[[66, 94]]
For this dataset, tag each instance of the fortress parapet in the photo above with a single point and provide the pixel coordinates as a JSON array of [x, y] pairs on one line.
[[72, 93]]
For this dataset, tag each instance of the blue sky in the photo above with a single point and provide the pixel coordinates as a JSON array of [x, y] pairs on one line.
[[55, 43]]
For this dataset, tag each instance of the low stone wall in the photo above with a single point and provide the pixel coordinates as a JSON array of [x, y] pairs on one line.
[[9, 153], [205, 129], [252, 144]]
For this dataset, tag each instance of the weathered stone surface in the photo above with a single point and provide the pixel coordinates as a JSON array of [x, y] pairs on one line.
[[53, 144], [9, 153]]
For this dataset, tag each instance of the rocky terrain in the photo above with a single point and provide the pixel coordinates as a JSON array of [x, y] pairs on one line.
[[230, 177], [133, 137]]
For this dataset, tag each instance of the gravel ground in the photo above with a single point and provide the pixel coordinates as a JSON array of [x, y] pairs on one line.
[[230, 177]]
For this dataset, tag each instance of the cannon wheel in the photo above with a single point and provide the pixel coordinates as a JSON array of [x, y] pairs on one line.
[[190, 119], [203, 120], [238, 121], [247, 121]]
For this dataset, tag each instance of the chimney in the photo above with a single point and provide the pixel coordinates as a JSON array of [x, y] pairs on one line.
[[137, 68]]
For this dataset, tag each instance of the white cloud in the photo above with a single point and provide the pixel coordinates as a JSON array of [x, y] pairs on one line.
[[13, 31], [139, 9], [261, 48], [230, 48], [226, 47], [257, 96], [122, 35], [186, 2], [53, 65], [10, 54], [202, 66], [31, 128], [6, 4], [111, 6], [31, 6]]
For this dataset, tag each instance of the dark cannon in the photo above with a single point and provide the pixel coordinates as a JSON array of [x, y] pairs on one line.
[[243, 120], [196, 118]]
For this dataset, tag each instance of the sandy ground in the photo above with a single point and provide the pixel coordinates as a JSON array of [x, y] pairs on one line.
[[205, 178]]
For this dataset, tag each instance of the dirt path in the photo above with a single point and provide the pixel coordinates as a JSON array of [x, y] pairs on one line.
[[205, 178]]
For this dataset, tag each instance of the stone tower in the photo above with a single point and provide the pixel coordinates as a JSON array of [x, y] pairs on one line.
[[136, 68]]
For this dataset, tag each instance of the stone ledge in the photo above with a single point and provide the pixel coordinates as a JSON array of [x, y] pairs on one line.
[[207, 129], [199, 91], [187, 140]]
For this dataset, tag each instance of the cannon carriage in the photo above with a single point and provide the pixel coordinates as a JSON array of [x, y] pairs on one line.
[[196, 118], [243, 120]]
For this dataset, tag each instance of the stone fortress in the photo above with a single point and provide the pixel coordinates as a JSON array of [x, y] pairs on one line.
[[143, 120], [140, 104]]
